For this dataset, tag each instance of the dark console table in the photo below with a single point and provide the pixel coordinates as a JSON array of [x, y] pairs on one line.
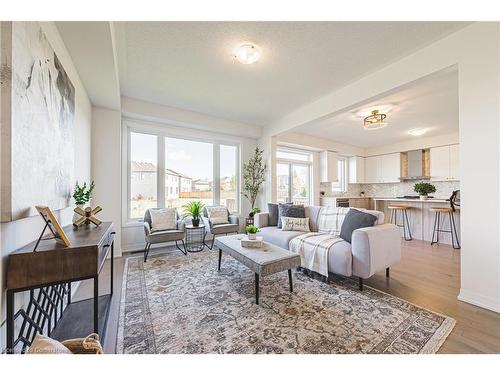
[[47, 274]]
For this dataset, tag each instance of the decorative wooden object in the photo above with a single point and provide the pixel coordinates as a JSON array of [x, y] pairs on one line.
[[51, 223], [87, 216], [47, 274]]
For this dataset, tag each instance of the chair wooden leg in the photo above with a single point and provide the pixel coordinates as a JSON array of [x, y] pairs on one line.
[[387, 272], [361, 284]]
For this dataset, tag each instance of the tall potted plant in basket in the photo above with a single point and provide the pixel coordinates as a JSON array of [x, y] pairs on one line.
[[254, 175]]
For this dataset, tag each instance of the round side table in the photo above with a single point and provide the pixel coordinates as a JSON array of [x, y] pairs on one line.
[[195, 238]]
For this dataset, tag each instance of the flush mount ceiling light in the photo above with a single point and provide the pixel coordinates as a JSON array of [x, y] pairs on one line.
[[247, 53], [375, 121], [417, 131]]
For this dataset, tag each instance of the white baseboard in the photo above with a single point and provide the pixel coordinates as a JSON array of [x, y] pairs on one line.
[[480, 300]]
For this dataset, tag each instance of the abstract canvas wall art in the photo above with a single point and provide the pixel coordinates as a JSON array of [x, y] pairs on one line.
[[38, 107]]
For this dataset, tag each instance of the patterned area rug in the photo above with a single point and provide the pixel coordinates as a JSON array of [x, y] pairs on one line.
[[181, 304]]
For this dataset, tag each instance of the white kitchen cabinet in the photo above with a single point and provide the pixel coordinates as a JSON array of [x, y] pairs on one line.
[[390, 167], [356, 170], [383, 168], [445, 163], [328, 166], [454, 162]]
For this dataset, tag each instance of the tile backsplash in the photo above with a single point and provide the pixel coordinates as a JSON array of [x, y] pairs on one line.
[[443, 189]]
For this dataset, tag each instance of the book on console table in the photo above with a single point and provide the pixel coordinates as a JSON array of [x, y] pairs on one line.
[[257, 243]]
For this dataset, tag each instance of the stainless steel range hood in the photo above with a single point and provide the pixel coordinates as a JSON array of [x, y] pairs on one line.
[[415, 165]]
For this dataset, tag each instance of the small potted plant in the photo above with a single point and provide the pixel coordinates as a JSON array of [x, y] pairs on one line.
[[252, 232], [193, 210], [254, 211], [424, 189], [82, 195]]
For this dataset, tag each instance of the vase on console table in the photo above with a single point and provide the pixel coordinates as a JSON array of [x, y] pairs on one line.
[[423, 197]]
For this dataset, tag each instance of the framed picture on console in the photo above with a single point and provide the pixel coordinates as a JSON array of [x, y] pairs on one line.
[[54, 226]]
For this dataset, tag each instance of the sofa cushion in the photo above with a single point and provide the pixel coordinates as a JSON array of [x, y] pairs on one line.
[[163, 219], [378, 214], [330, 219], [355, 220], [218, 215], [300, 224], [312, 212], [225, 228], [278, 224], [278, 237], [291, 210], [272, 209]]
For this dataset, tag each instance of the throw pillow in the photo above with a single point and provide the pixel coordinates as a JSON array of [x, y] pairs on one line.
[[299, 224], [354, 220], [290, 210], [163, 219], [272, 208], [330, 219], [45, 345], [218, 215]]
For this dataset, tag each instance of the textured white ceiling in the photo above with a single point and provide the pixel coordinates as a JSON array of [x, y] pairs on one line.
[[431, 103], [189, 64]]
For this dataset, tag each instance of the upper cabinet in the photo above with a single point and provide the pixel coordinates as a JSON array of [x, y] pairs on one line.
[[383, 168], [356, 170], [445, 163], [328, 166]]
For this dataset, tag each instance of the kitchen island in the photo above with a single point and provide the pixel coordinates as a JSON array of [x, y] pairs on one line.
[[420, 217]]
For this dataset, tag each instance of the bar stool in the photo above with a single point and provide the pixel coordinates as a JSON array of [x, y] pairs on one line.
[[454, 201], [404, 215]]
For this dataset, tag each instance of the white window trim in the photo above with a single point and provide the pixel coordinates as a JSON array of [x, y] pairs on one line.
[[133, 126], [341, 185], [292, 162]]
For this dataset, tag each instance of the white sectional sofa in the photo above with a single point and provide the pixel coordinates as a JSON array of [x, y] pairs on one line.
[[371, 250]]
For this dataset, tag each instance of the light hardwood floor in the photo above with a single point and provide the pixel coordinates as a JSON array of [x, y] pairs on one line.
[[427, 276]]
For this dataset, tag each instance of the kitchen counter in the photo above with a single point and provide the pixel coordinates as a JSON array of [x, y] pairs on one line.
[[429, 200], [419, 215]]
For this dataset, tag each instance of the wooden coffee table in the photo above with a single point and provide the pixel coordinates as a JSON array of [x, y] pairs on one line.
[[262, 261]]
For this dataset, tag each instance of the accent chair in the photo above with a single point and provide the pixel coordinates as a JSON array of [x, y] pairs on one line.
[[171, 235], [232, 226]]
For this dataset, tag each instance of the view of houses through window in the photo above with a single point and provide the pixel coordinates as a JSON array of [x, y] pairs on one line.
[[188, 173]]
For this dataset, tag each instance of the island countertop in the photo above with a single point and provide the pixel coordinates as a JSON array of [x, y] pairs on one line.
[[429, 200]]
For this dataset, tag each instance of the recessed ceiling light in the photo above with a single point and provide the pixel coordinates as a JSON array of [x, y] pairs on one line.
[[417, 131], [247, 53]]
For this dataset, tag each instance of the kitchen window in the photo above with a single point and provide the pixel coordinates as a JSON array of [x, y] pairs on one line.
[[293, 173], [341, 185], [165, 171]]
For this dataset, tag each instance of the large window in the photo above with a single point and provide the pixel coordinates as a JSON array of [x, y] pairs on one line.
[[228, 177], [169, 171], [341, 185], [188, 172], [143, 173], [293, 172]]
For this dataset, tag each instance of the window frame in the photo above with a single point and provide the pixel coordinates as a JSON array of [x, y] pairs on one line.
[[135, 126], [291, 163], [341, 185]]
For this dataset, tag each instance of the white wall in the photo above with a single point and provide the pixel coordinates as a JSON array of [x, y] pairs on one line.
[[474, 50], [18, 233], [107, 166]]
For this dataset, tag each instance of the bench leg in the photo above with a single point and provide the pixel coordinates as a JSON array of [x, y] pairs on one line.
[[256, 288], [220, 259], [290, 280], [361, 283]]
